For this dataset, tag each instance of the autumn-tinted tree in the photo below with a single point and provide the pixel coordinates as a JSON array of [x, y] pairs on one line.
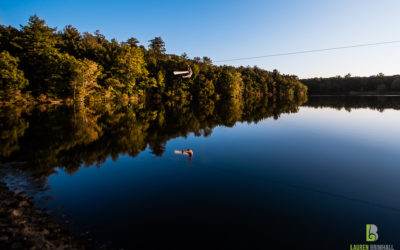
[[84, 83]]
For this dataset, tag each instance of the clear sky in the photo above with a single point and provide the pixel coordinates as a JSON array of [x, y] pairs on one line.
[[234, 29]]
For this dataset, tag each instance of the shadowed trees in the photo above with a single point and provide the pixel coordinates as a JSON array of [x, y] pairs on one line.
[[378, 84]]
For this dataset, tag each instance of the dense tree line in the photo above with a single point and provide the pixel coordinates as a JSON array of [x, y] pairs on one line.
[[82, 135], [347, 102], [39, 63], [378, 84]]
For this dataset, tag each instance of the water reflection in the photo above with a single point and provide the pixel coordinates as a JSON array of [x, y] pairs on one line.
[[314, 172], [71, 137], [348, 103]]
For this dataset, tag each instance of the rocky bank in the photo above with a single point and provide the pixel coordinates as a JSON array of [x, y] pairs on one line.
[[23, 226]]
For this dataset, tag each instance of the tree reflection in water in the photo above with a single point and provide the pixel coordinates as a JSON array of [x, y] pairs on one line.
[[69, 137]]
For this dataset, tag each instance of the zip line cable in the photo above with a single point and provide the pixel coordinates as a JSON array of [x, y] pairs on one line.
[[305, 188], [309, 51]]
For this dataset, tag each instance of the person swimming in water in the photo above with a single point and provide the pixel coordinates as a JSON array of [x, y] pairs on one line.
[[188, 152]]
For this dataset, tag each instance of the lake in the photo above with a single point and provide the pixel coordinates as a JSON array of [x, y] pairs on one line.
[[263, 174]]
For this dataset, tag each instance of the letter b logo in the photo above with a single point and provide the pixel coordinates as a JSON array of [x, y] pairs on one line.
[[372, 232]]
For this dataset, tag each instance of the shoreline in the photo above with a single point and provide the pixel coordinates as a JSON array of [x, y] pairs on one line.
[[24, 226]]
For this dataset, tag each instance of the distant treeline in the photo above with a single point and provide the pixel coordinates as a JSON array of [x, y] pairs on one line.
[[378, 84], [39, 63], [349, 103]]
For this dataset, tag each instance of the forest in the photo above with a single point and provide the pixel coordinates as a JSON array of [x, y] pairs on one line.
[[39, 64], [378, 84]]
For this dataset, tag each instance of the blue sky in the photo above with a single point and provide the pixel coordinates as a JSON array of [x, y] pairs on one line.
[[234, 29]]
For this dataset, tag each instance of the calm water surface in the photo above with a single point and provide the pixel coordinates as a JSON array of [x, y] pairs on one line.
[[310, 179]]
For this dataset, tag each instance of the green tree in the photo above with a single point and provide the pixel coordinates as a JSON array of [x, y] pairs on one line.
[[128, 67], [230, 83], [12, 79], [9, 40], [207, 60], [204, 87], [71, 40], [132, 42], [157, 45], [38, 54]]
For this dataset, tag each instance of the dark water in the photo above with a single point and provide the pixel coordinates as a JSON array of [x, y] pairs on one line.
[[263, 175]]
